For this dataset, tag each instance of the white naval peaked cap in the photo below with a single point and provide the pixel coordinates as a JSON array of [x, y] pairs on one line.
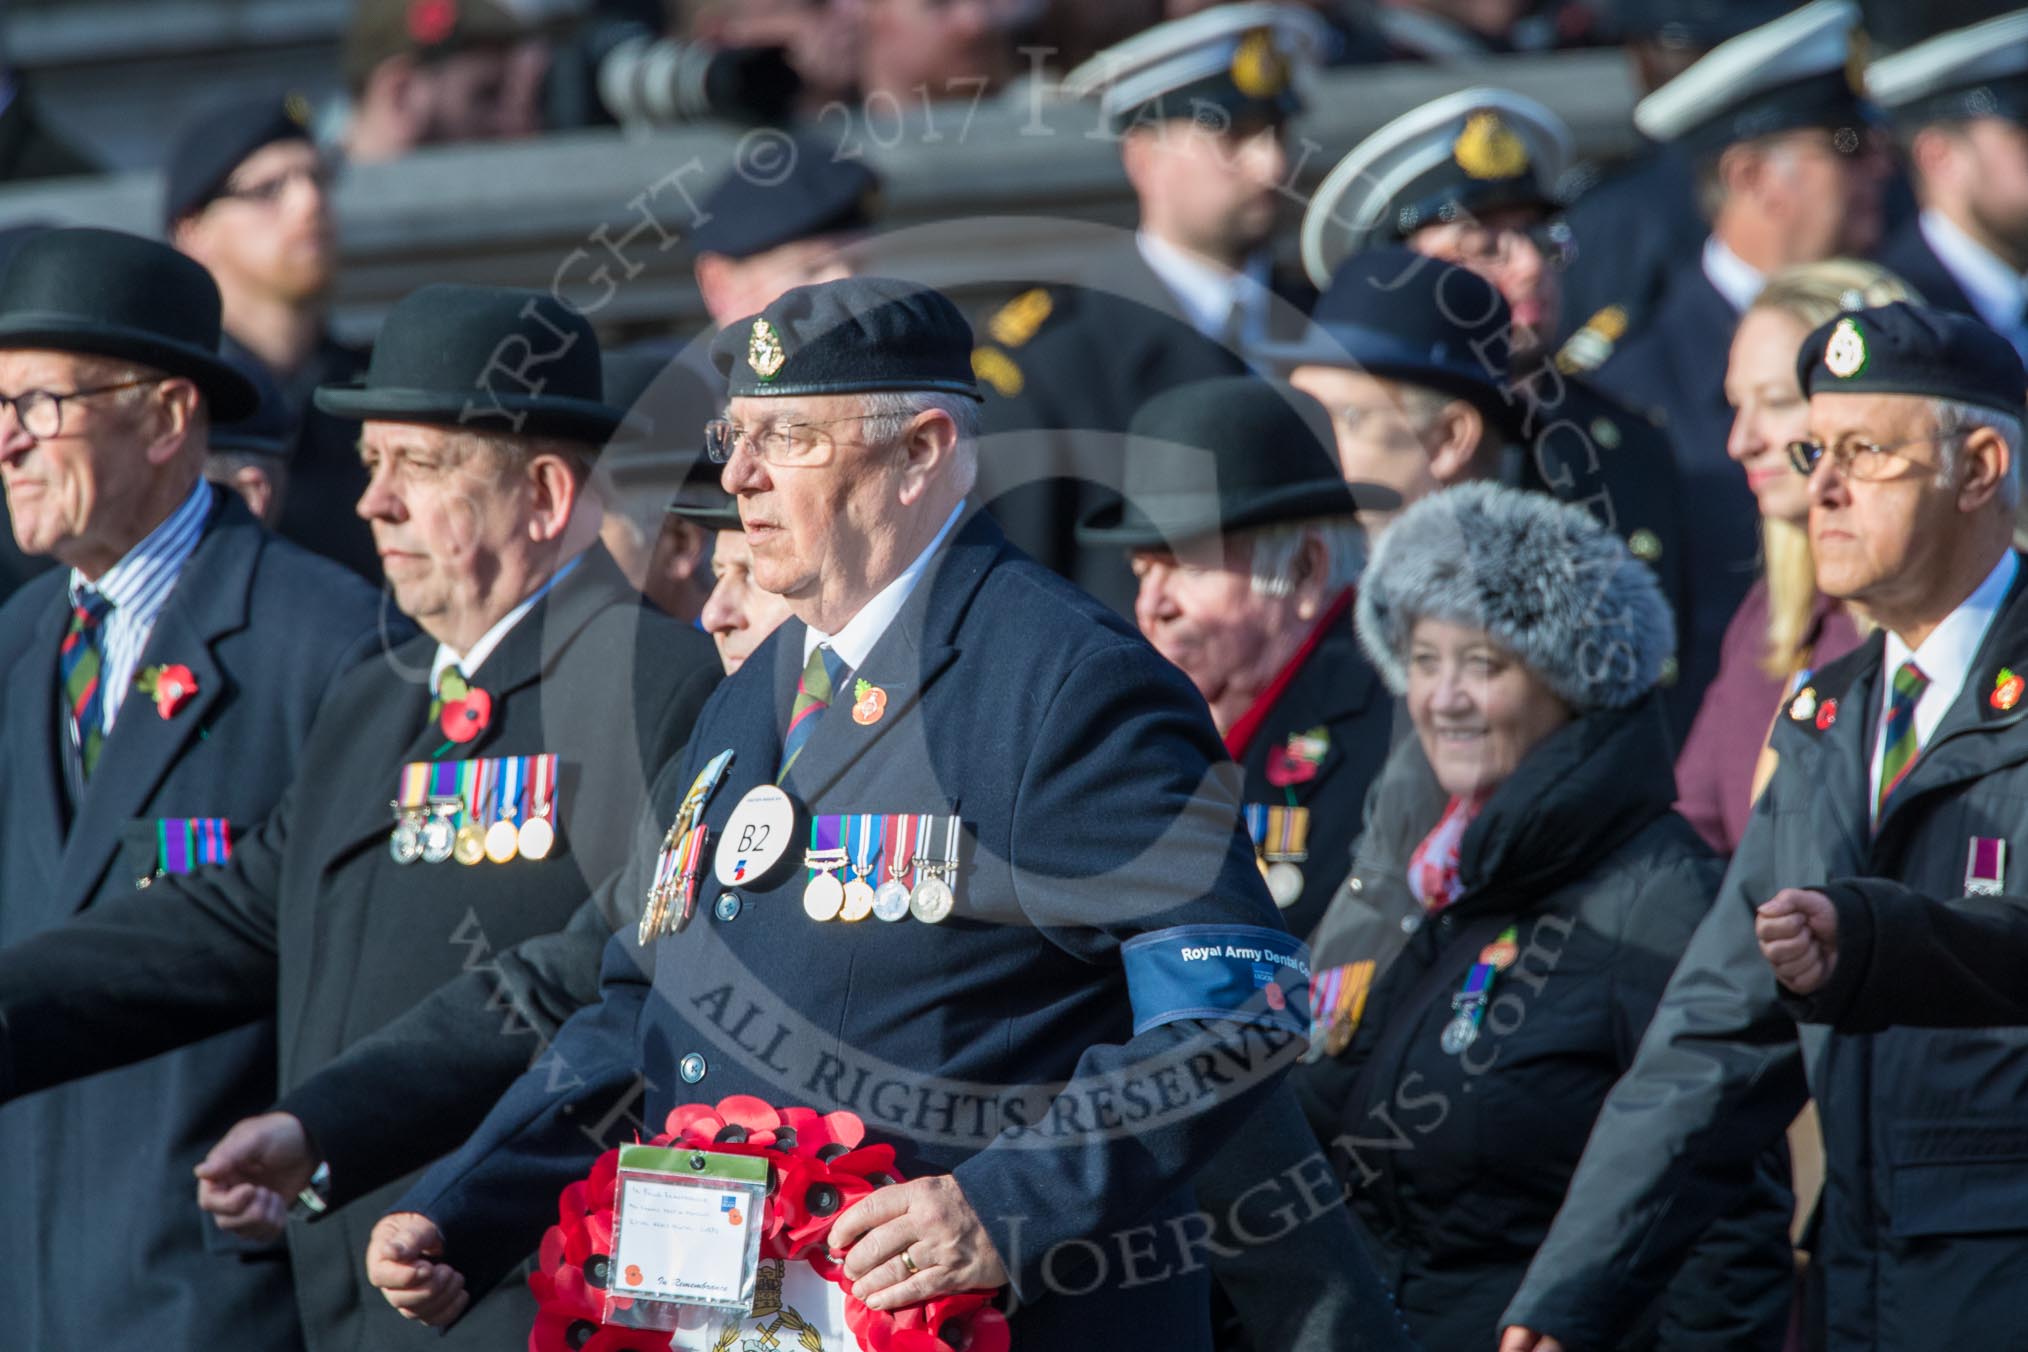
[[1470, 152], [1979, 71], [1258, 45], [1780, 76]]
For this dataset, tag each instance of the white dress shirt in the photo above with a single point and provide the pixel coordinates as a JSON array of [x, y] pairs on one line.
[[1997, 292], [1735, 279], [854, 643], [1945, 657], [475, 656], [138, 586], [1207, 293]]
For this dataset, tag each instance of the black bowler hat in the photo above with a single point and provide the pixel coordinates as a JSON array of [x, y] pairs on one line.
[[107, 294], [1223, 455], [851, 336], [268, 431], [487, 359], [217, 141], [819, 191], [1401, 315], [703, 499], [661, 389], [1913, 349]]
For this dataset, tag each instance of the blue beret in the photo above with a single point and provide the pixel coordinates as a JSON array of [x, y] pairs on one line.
[[756, 207], [847, 337], [1913, 349]]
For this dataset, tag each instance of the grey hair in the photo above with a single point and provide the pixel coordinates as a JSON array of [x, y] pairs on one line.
[[1955, 418], [1542, 578], [1276, 548], [890, 410]]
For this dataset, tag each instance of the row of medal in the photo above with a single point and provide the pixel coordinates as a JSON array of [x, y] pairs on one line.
[[1281, 840], [915, 855], [499, 809], [1468, 1006], [185, 844]]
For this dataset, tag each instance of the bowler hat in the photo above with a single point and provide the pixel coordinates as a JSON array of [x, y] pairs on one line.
[[107, 294], [1223, 455], [487, 359]]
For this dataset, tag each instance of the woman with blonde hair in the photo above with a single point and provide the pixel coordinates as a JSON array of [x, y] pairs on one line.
[[1785, 628]]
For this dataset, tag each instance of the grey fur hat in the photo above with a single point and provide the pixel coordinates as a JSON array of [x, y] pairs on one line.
[[1544, 579]]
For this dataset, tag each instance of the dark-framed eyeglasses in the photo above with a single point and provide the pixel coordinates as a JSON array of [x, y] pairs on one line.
[[323, 176], [40, 412]]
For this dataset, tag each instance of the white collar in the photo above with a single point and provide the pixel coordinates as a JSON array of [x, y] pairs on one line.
[[1208, 292], [854, 643], [1730, 275], [1997, 292], [1946, 656], [475, 656]]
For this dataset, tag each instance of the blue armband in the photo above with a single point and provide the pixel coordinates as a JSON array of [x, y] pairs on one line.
[[1245, 973]]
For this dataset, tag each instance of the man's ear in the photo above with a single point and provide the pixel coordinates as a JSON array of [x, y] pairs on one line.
[[1455, 436], [1984, 462], [556, 496], [927, 449], [171, 419]]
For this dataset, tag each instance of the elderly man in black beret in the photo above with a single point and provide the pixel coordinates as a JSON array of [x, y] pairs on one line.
[[157, 690], [248, 194], [1902, 760], [1005, 945], [453, 801]]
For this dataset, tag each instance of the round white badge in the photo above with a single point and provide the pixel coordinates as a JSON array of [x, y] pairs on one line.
[[757, 836]]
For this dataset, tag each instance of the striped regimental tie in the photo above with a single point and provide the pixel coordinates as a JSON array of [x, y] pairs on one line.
[[1899, 757], [814, 690], [80, 662]]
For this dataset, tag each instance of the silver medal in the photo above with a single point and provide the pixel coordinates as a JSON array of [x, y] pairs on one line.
[[890, 901], [406, 842], [1285, 884], [932, 901], [439, 838], [1460, 1033]]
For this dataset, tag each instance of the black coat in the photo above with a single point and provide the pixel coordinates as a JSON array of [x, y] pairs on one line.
[[1923, 1227], [1581, 446], [1926, 962], [1335, 690], [1675, 369], [315, 924], [1061, 390], [103, 1166], [1629, 231], [1458, 1162]]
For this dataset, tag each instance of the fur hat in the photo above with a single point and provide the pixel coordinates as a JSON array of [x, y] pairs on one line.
[[1544, 579]]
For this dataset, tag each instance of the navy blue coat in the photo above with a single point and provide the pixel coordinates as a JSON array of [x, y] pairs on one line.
[[1097, 806], [95, 1176], [313, 925], [1908, 255], [1675, 370]]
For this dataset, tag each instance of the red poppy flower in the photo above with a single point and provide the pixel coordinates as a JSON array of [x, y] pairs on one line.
[[464, 719], [1284, 769], [431, 21], [174, 688]]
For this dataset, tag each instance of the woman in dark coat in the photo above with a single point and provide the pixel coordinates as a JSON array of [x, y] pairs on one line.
[[1519, 897]]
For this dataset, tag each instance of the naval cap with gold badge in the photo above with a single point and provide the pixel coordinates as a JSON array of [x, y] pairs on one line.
[[1968, 73], [851, 336], [1914, 349], [1239, 60], [1800, 71], [1455, 158]]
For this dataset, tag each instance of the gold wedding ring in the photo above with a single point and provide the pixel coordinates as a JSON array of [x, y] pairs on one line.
[[909, 1263]]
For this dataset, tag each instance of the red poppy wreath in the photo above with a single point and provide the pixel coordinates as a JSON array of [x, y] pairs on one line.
[[821, 1166]]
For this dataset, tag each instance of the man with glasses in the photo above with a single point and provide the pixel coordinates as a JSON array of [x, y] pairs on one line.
[[156, 694], [1789, 170], [248, 194], [1902, 760], [1470, 179]]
